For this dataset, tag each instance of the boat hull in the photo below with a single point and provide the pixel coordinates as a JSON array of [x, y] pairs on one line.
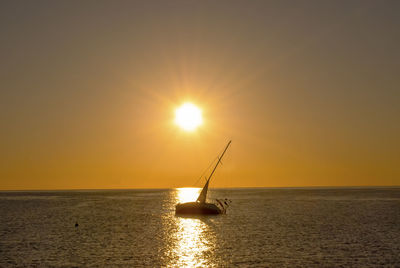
[[197, 208]]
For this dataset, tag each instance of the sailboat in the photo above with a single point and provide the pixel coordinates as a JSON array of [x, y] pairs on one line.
[[200, 206]]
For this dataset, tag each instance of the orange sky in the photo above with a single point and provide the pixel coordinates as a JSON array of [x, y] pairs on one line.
[[307, 91]]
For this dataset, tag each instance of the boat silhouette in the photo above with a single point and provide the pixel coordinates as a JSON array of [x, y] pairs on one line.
[[201, 206]]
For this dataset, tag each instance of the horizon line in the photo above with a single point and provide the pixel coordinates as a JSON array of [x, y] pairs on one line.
[[171, 188]]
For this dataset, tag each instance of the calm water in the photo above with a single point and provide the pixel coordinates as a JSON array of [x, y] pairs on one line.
[[355, 227]]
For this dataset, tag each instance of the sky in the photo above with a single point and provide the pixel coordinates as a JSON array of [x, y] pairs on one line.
[[308, 92]]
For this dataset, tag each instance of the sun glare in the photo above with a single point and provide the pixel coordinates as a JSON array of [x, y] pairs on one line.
[[188, 116], [187, 194]]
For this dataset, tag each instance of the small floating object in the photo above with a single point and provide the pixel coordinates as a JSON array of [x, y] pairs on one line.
[[76, 224]]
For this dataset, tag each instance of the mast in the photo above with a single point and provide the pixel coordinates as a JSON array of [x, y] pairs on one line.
[[219, 160], [203, 194]]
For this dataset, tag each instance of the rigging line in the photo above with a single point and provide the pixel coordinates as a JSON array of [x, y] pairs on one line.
[[212, 162]]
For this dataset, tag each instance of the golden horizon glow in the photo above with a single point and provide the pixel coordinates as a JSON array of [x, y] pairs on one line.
[[188, 116], [75, 117]]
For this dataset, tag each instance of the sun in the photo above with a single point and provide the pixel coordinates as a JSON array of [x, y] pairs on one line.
[[188, 116]]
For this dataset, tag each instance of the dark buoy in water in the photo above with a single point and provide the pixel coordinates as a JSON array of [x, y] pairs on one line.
[[76, 224]]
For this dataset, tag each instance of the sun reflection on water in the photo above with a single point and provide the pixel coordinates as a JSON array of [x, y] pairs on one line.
[[187, 194], [192, 238]]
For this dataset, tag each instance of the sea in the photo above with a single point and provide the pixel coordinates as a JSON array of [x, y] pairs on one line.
[[263, 227]]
